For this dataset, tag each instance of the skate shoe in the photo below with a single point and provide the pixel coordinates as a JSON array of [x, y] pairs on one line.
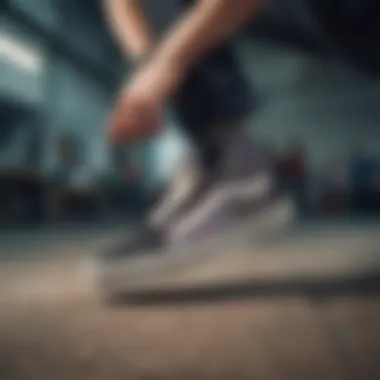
[[201, 206]]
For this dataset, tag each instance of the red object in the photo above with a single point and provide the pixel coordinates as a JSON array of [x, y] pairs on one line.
[[376, 182], [295, 166]]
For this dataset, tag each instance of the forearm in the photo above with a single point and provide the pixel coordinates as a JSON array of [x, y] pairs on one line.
[[202, 28], [130, 27]]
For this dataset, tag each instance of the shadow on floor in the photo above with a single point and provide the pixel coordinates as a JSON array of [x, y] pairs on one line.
[[366, 284]]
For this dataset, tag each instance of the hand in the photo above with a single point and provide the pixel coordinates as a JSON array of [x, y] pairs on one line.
[[136, 117], [138, 114]]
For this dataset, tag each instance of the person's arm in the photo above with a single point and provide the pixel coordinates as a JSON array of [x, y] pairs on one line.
[[200, 29], [130, 26]]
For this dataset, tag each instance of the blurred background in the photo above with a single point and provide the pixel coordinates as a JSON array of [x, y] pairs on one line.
[[314, 65]]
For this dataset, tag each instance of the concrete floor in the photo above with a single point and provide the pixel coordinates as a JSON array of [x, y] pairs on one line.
[[53, 325]]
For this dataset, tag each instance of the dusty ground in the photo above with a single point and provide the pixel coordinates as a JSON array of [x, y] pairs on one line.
[[52, 326]]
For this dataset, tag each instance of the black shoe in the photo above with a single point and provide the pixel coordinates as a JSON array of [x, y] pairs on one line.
[[144, 240]]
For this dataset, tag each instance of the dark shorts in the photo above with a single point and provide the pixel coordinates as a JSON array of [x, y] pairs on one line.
[[215, 93]]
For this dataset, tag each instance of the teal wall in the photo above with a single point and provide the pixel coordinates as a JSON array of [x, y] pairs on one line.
[[324, 104], [328, 106]]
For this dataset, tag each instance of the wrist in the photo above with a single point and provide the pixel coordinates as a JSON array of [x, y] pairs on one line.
[[141, 59], [158, 78], [167, 76]]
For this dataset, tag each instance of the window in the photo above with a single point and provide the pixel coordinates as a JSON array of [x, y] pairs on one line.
[[22, 64]]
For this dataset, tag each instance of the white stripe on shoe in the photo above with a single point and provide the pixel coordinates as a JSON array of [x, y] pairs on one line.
[[180, 190], [249, 189], [219, 201]]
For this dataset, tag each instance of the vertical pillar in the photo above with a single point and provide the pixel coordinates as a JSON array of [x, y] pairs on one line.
[[51, 93]]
